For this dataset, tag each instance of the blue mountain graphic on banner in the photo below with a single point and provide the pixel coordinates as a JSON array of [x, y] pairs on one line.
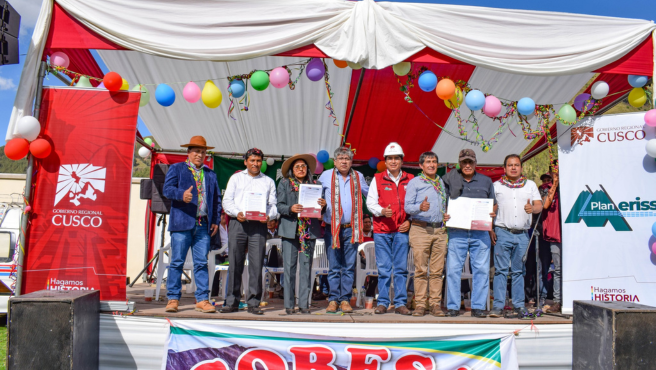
[[596, 209]]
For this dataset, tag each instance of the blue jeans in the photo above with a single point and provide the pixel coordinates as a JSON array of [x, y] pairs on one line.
[[341, 272], [199, 241], [478, 244], [508, 254], [392, 259]]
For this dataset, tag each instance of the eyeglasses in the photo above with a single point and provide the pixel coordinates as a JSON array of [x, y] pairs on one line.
[[343, 159], [300, 167]]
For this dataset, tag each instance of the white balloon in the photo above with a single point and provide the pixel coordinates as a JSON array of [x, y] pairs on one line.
[[599, 90], [29, 128], [354, 65], [144, 152], [651, 148], [270, 161]]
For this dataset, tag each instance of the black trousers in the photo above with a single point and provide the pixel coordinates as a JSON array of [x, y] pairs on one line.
[[242, 237]]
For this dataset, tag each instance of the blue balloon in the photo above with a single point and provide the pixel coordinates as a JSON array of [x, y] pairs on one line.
[[526, 106], [237, 88], [475, 100], [373, 162], [323, 156], [427, 81], [653, 229], [164, 95], [638, 81]]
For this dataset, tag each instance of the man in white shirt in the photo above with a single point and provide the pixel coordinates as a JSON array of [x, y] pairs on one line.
[[247, 234], [517, 199]]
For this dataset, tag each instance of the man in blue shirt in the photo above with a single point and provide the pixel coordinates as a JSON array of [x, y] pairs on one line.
[[425, 201], [343, 188]]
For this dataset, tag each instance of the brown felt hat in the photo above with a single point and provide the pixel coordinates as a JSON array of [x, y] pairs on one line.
[[197, 142], [308, 158], [467, 154]]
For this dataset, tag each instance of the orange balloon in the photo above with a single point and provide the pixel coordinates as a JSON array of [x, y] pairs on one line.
[[40, 148], [17, 148], [445, 89], [340, 63], [381, 166]]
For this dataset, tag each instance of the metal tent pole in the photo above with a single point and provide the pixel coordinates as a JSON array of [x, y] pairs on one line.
[[355, 100]]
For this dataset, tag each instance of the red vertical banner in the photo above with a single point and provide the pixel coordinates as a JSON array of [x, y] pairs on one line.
[[78, 232]]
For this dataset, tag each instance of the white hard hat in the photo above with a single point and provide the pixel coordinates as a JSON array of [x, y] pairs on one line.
[[393, 149]]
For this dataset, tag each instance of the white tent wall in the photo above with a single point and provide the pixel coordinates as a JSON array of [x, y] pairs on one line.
[[278, 121]]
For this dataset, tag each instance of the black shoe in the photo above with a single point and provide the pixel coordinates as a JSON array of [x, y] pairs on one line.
[[452, 313], [478, 313], [255, 310], [523, 314], [305, 311], [228, 309], [289, 311], [496, 313]]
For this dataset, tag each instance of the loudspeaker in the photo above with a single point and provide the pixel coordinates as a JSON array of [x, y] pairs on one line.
[[146, 189], [54, 329], [159, 204], [9, 30], [613, 335]]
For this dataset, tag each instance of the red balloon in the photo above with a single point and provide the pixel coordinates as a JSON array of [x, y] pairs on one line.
[[40, 148], [17, 149], [113, 81]]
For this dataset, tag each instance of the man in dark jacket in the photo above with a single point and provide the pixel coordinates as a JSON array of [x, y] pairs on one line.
[[195, 215]]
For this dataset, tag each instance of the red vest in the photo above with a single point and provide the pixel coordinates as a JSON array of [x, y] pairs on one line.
[[390, 194]]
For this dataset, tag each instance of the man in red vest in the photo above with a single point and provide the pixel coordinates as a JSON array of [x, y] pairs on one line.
[[386, 200]]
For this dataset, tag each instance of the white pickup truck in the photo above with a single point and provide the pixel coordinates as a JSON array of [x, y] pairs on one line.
[[10, 220]]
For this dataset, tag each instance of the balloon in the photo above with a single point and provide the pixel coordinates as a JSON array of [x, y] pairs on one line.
[[456, 100], [264, 167], [329, 164], [40, 148], [17, 148], [457, 166], [101, 86], [353, 66], [446, 89], [124, 85], [164, 95], [475, 100], [651, 148], [59, 59], [526, 106], [653, 229], [373, 162], [148, 141], [427, 81], [638, 81], [27, 209], [83, 82], [402, 69], [211, 95], [191, 92], [28, 128], [323, 156], [381, 166], [113, 81], [315, 69], [340, 63], [260, 80], [637, 97], [599, 89], [492, 106], [279, 77], [152, 145], [145, 94], [580, 100], [650, 118], [567, 114], [319, 168], [237, 88], [144, 152], [653, 246], [270, 161]]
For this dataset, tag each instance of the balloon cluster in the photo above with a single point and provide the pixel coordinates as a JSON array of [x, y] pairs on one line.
[[637, 95], [27, 142], [324, 162], [145, 152]]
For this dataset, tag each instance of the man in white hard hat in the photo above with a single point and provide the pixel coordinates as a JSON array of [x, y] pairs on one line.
[[386, 201]]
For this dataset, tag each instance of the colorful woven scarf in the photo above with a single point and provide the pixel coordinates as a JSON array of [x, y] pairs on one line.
[[513, 184], [303, 222], [199, 176], [337, 212], [438, 189]]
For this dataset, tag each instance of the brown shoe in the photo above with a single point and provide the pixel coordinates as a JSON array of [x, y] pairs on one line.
[[437, 311], [172, 305], [332, 307], [205, 306], [403, 310], [346, 307], [419, 311], [555, 308], [380, 310]]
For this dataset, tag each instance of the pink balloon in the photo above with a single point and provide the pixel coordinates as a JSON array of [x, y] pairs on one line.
[[191, 92], [492, 106], [653, 248], [59, 59], [279, 77], [650, 120]]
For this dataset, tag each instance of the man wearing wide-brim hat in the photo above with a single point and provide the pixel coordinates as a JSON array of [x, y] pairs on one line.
[[195, 214]]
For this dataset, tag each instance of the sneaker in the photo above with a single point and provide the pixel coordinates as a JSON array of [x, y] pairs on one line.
[[555, 308], [496, 312], [172, 305], [478, 313], [523, 314], [346, 307], [332, 307], [452, 313], [205, 306]]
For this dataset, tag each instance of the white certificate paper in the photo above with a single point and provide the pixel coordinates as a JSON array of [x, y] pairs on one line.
[[308, 197], [470, 213], [256, 206]]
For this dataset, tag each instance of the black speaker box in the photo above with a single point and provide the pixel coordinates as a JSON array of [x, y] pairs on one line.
[[613, 336], [9, 32], [54, 329], [159, 204], [146, 189]]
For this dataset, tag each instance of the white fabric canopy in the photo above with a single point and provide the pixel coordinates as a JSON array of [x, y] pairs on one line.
[[375, 35]]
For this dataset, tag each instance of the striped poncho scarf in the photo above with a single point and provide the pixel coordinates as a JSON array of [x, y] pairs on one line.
[[337, 212]]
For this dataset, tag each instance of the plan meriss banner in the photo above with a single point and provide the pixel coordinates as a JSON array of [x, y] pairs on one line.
[[202, 345], [608, 207], [77, 238]]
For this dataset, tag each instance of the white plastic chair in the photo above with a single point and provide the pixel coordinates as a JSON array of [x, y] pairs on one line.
[[319, 266], [212, 268], [467, 275], [371, 269], [163, 265], [266, 271]]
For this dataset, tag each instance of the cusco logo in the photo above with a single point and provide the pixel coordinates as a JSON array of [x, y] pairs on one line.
[[79, 181], [596, 209]]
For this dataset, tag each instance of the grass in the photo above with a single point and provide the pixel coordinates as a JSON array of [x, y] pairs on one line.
[[3, 347]]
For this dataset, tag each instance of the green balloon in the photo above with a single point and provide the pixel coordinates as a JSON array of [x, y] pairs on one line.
[[457, 166], [264, 167], [567, 113], [145, 94], [329, 164], [260, 80], [148, 140]]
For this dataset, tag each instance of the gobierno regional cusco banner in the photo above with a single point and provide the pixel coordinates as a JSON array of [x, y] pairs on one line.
[[197, 345]]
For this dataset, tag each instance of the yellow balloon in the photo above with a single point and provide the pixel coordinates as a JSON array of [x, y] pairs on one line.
[[637, 97], [211, 95], [354, 65], [456, 100], [125, 86]]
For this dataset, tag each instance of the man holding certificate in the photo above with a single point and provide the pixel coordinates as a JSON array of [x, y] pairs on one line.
[[250, 200], [469, 221], [518, 199], [300, 206]]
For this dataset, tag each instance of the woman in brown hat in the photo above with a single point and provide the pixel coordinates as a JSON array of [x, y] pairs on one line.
[[298, 233]]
